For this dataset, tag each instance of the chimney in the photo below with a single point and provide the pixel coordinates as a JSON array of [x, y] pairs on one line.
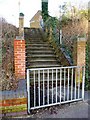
[[21, 25]]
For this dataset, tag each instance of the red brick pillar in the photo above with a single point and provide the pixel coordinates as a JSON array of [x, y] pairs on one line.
[[19, 58]]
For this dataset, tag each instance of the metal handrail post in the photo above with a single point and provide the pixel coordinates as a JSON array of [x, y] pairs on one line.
[[28, 91]]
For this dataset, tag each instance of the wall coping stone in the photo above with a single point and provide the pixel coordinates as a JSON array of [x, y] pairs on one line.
[[19, 38], [81, 39]]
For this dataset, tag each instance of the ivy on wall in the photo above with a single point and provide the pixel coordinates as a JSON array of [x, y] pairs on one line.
[[44, 10], [87, 75]]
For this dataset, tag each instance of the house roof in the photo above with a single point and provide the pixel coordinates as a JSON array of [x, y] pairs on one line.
[[36, 15]]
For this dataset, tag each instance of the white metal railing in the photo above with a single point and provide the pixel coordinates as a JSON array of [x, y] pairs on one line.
[[52, 86]]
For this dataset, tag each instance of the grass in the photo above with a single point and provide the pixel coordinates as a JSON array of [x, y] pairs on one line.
[[11, 109]]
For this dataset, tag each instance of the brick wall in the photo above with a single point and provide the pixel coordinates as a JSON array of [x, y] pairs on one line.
[[79, 52], [19, 58], [35, 24], [35, 21]]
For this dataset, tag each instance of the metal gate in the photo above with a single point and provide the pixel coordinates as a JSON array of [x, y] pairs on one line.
[[53, 86]]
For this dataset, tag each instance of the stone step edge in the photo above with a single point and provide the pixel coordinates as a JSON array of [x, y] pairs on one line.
[[41, 60]]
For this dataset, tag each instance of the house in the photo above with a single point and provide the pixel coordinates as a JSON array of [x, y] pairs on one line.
[[35, 21]]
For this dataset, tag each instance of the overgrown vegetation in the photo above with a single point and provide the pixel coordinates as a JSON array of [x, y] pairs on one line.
[[73, 25], [9, 33], [87, 82], [87, 75]]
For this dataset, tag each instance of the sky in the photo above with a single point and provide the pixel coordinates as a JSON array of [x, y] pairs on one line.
[[9, 9]]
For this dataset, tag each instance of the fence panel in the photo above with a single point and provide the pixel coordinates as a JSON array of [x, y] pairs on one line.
[[52, 86]]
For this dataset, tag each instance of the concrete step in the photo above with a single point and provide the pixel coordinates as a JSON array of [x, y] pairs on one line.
[[41, 60], [42, 56], [38, 45], [40, 52], [42, 66], [39, 48], [34, 37], [35, 42], [34, 52]]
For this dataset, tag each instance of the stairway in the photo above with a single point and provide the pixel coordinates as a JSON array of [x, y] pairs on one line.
[[39, 53]]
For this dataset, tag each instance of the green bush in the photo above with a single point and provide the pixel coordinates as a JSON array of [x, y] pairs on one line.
[[87, 73]]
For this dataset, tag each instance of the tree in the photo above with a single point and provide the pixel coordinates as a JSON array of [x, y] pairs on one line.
[[8, 34]]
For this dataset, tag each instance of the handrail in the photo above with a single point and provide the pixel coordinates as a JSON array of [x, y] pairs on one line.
[[53, 34]]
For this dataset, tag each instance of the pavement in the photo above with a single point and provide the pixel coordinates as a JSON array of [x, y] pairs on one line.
[[79, 109], [74, 110]]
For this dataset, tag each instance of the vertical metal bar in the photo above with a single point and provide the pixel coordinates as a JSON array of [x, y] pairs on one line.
[[60, 36], [28, 90], [60, 84], [68, 84], [72, 84], [43, 89], [83, 82], [39, 87], [64, 82], [34, 90], [80, 79], [78, 83], [56, 85], [48, 88], [75, 83], [52, 85]]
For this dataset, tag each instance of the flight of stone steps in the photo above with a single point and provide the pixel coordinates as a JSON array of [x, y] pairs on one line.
[[39, 53]]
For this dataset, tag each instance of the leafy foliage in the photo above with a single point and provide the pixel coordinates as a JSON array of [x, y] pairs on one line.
[[73, 27], [45, 10], [84, 14], [87, 75]]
